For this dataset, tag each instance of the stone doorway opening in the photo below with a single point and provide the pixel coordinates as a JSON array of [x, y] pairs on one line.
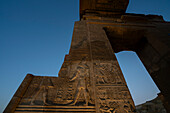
[[127, 43], [147, 49], [137, 77]]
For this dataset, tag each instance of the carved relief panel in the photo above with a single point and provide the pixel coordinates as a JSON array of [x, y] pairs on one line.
[[111, 91], [113, 99], [79, 89], [74, 88], [107, 73]]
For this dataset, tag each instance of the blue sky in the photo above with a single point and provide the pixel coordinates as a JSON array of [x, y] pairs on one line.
[[35, 35]]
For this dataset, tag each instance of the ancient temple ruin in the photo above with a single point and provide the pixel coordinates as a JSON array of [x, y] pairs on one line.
[[90, 79]]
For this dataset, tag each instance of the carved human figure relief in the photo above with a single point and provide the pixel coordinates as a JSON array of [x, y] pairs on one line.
[[43, 88], [81, 76]]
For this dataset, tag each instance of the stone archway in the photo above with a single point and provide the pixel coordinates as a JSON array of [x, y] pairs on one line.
[[153, 53]]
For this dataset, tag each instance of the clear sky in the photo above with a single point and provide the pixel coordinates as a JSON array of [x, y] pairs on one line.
[[35, 35]]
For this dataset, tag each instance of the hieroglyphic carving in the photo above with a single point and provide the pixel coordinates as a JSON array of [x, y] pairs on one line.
[[107, 73], [64, 92], [114, 100], [113, 92]]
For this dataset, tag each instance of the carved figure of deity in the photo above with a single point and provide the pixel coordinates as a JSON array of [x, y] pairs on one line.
[[81, 75]]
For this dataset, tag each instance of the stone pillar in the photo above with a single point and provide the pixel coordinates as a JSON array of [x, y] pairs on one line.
[[155, 55]]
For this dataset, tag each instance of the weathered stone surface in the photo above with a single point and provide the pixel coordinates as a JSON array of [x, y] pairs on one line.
[[90, 79], [103, 7]]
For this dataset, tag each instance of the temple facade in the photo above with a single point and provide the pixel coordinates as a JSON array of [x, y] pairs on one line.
[[90, 79]]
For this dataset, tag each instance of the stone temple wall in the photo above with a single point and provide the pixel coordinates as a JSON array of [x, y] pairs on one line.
[[90, 79]]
